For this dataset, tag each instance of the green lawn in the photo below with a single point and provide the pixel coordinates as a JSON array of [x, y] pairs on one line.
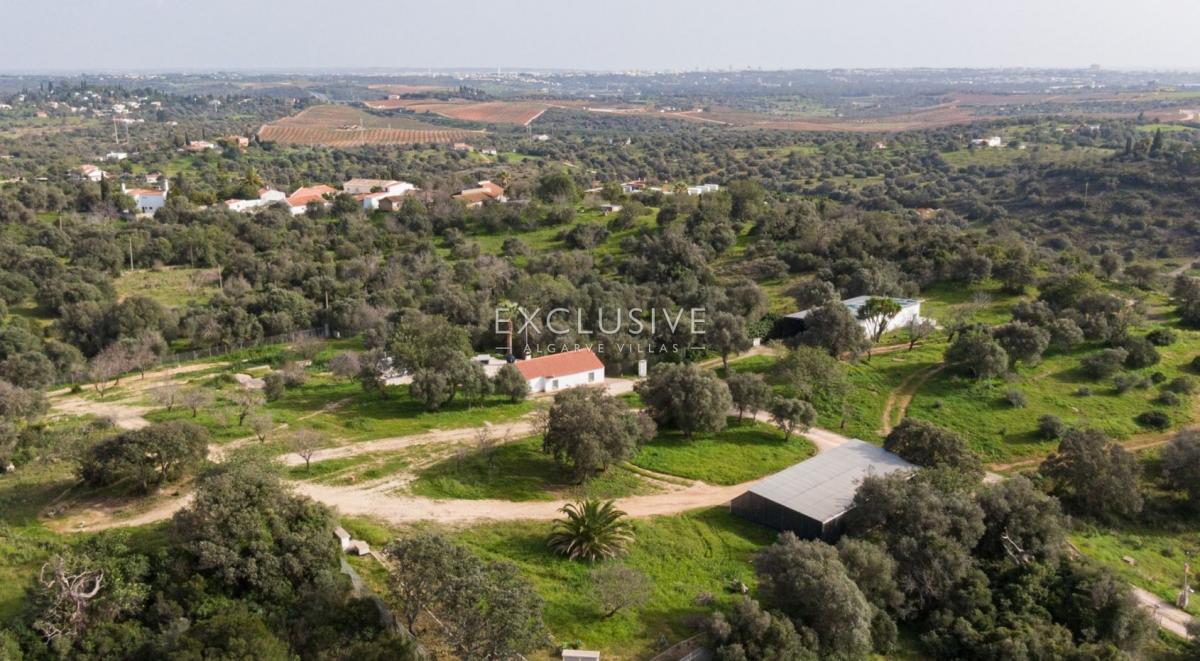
[[743, 451], [685, 556], [520, 471]]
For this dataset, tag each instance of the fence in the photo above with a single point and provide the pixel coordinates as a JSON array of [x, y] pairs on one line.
[[219, 350]]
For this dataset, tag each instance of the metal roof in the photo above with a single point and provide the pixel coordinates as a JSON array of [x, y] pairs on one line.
[[822, 488], [857, 302]]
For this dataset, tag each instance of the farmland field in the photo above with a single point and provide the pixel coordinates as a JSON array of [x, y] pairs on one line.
[[487, 112], [343, 126]]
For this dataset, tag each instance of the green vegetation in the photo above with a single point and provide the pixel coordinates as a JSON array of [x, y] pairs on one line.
[[688, 558], [741, 452], [172, 287], [520, 471]]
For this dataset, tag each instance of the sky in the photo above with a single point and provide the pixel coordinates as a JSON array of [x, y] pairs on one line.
[[176, 35]]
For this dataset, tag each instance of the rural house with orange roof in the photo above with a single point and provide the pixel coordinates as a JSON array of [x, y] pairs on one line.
[[557, 371]]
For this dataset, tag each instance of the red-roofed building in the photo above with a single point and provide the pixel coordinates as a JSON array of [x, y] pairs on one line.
[[557, 371], [299, 199]]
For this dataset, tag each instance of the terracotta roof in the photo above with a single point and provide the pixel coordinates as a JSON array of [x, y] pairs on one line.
[[144, 192], [559, 364], [473, 195], [319, 189], [372, 183], [492, 189]]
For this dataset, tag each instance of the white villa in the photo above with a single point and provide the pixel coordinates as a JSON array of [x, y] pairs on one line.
[[557, 371], [910, 309], [148, 200]]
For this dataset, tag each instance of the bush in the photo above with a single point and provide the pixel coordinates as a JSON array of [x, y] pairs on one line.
[[1083, 391], [1016, 398], [1123, 382], [1183, 385], [1157, 378], [1161, 337], [273, 386], [1050, 427], [1141, 353], [1103, 364], [1195, 364], [1154, 420], [1168, 398]]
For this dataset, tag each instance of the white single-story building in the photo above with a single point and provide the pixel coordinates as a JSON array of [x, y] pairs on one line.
[[148, 200], [92, 173], [993, 141], [557, 371], [266, 197], [910, 309], [361, 186]]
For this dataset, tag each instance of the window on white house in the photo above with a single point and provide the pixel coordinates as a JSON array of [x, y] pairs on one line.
[[591, 376], [554, 384]]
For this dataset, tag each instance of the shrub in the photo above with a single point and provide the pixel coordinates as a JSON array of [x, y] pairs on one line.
[[1016, 398], [1168, 398], [1161, 337], [1123, 382], [1157, 378], [1083, 391], [1104, 363], [1195, 364], [1183, 385], [1141, 353], [273, 386], [1154, 420], [1050, 427]]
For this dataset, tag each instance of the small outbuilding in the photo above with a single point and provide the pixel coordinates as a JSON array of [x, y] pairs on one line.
[[910, 309], [811, 498]]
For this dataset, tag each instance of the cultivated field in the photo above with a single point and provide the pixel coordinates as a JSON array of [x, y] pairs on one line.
[[343, 126], [487, 112]]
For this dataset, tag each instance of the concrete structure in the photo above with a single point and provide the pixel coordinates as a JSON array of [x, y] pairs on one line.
[[116, 156], [993, 141], [557, 371], [910, 309], [811, 498], [702, 189], [580, 655], [148, 200]]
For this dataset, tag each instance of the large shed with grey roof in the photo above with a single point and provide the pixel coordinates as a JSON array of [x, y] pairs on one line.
[[811, 497]]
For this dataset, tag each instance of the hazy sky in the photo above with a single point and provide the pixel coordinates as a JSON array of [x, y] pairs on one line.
[[98, 35]]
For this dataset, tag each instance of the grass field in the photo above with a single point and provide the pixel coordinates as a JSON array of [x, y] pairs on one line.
[[742, 452], [1001, 432], [685, 556], [1000, 156], [520, 471], [173, 286]]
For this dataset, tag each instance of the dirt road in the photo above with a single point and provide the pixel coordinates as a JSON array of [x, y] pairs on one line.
[[126, 410]]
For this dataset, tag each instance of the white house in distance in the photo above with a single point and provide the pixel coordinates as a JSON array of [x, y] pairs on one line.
[[993, 141], [372, 191], [92, 173], [266, 197], [910, 309], [148, 200], [556, 371]]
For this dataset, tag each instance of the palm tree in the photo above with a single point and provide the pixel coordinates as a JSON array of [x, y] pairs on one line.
[[591, 530]]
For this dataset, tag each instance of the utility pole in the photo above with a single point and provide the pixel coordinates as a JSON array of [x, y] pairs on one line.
[[130, 252]]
